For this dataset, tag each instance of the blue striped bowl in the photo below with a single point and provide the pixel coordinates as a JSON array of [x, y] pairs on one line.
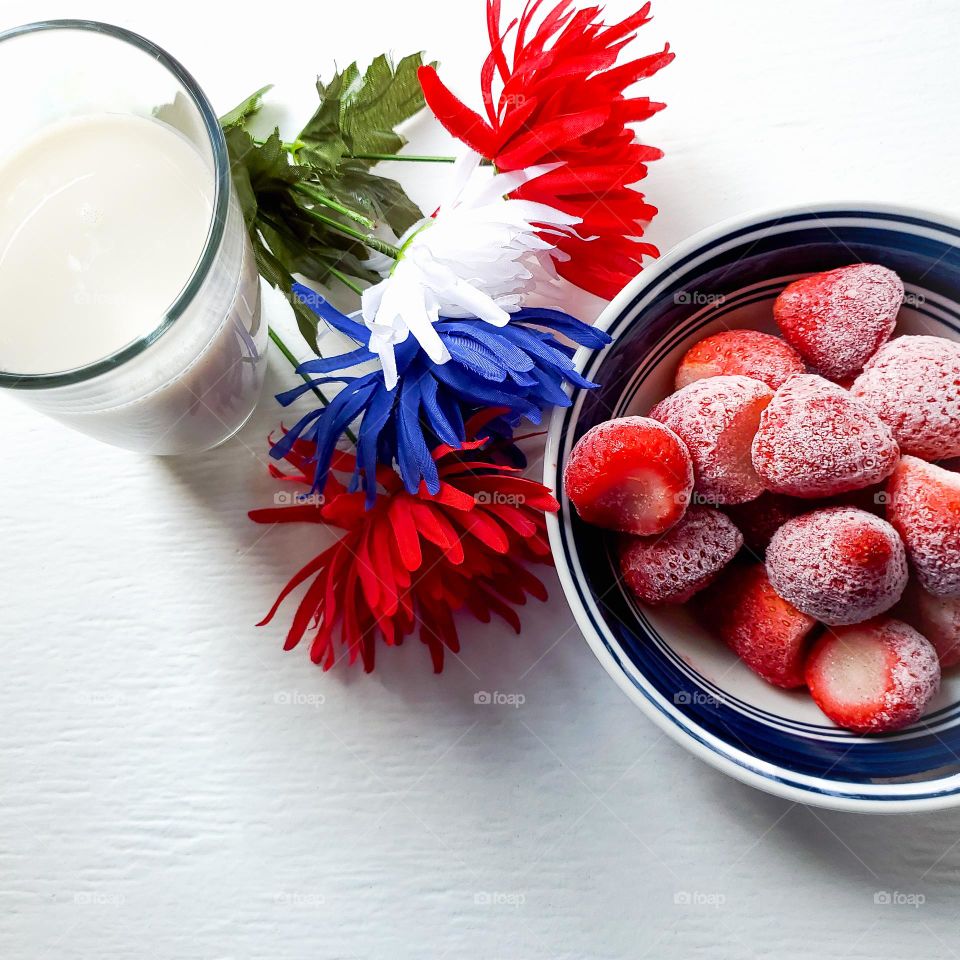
[[684, 679]]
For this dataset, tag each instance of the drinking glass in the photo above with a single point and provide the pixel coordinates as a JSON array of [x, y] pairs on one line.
[[194, 379]]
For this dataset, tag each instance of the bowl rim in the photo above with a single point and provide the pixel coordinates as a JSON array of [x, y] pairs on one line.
[[554, 440]]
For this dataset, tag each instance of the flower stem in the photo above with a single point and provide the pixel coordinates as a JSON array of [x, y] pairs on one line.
[[374, 243], [400, 157], [346, 281], [318, 196], [292, 360]]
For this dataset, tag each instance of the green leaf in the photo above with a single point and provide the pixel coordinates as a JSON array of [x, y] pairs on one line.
[[311, 252], [394, 206], [384, 99], [358, 114], [259, 169], [273, 271], [380, 198], [322, 137], [242, 112], [312, 232], [239, 147], [269, 165]]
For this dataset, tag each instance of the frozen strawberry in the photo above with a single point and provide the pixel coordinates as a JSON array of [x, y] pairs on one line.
[[717, 418], [634, 475], [673, 567], [923, 504], [815, 440], [937, 618], [745, 353], [760, 519], [873, 677], [766, 632], [840, 565], [839, 319], [913, 383]]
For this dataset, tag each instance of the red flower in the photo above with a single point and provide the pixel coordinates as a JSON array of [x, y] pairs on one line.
[[414, 559], [562, 101]]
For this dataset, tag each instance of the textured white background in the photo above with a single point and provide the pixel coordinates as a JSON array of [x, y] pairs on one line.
[[158, 799]]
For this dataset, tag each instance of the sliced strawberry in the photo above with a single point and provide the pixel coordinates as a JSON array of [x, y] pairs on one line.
[[745, 353], [760, 519], [717, 419], [913, 383], [815, 440], [923, 504], [839, 319], [673, 567], [633, 475], [873, 677], [840, 565], [937, 618], [768, 634]]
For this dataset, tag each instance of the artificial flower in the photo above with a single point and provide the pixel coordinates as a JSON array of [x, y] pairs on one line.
[[313, 206], [475, 257], [520, 369], [415, 558], [561, 102]]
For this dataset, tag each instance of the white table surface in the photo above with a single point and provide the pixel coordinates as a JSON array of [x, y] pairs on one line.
[[173, 785]]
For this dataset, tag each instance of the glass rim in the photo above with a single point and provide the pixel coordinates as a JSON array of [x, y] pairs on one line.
[[218, 218]]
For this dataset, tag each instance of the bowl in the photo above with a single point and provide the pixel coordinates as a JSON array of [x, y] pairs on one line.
[[681, 676]]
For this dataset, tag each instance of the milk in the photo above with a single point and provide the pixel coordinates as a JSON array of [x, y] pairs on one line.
[[103, 219]]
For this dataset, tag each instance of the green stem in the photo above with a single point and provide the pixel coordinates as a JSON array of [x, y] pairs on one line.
[[374, 243], [318, 196], [295, 146], [277, 277], [292, 360], [346, 281], [288, 353], [400, 157]]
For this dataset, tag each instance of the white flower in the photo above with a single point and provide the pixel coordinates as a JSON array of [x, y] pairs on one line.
[[476, 257]]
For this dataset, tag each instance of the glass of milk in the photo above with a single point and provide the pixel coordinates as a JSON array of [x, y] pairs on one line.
[[129, 296]]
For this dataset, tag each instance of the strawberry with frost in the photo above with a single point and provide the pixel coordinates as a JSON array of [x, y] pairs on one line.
[[873, 677], [815, 440], [633, 475]]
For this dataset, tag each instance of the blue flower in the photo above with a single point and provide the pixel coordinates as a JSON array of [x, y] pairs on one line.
[[520, 368]]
